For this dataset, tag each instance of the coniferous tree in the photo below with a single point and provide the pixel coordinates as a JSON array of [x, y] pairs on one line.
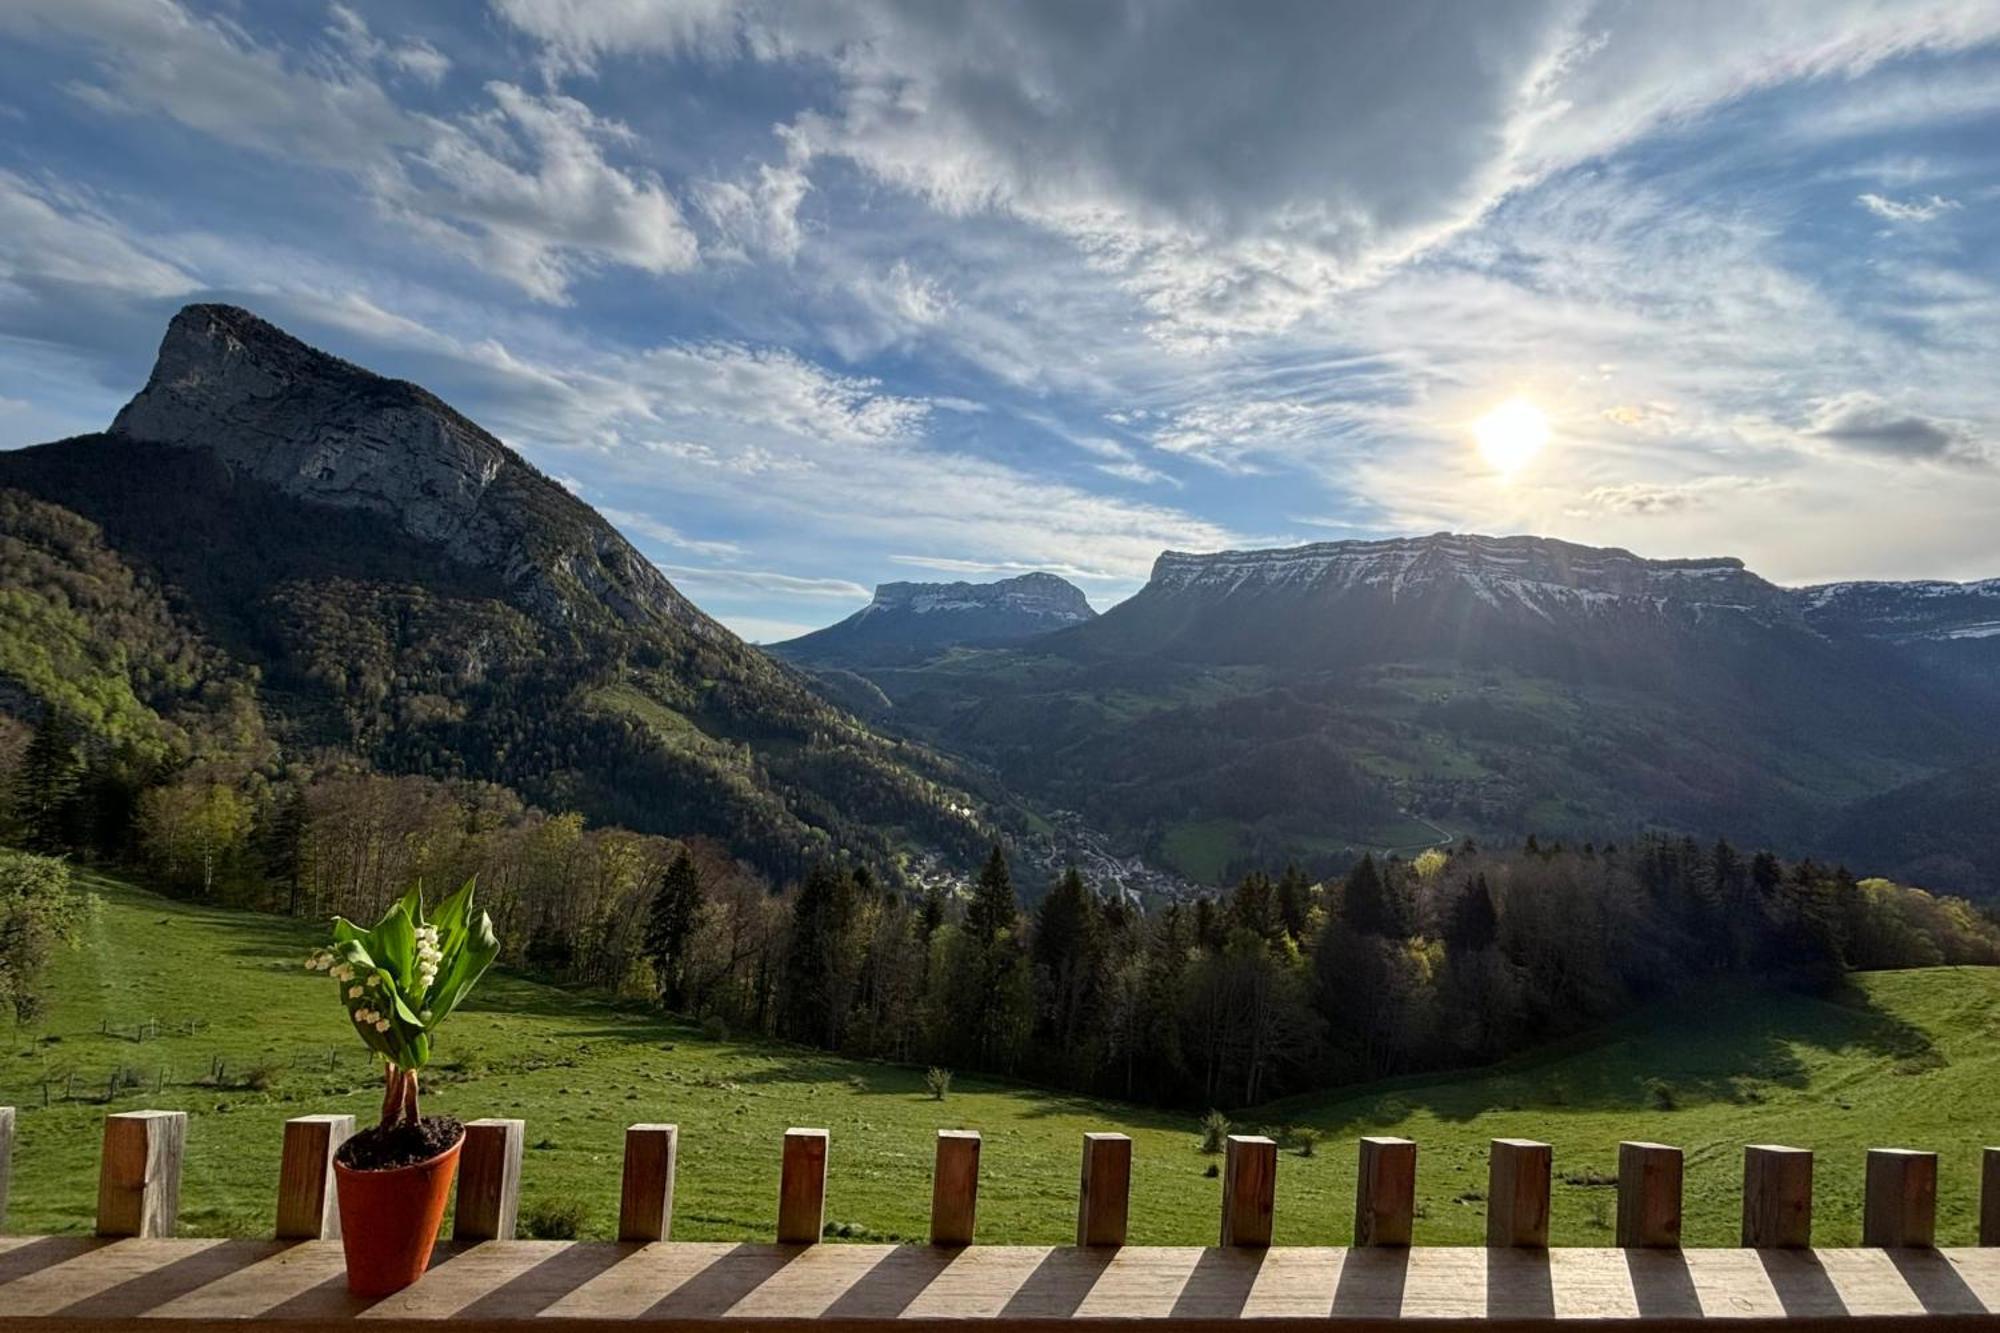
[[670, 923], [993, 908], [811, 1000], [1372, 904], [1294, 901], [1067, 953], [1473, 924], [46, 784]]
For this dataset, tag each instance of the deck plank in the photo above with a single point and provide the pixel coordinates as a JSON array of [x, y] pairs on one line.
[[79, 1284]]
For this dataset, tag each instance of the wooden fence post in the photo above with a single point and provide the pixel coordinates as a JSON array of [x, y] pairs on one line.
[[802, 1188], [139, 1177], [1901, 1204], [1777, 1197], [1517, 1194], [307, 1209], [1249, 1190], [6, 1158], [1989, 1197], [646, 1192], [1649, 1196], [1385, 1192], [955, 1187], [489, 1180], [1104, 1195]]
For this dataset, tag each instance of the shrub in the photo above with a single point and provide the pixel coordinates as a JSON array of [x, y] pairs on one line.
[[715, 1027], [1305, 1138], [1214, 1131], [937, 1082], [1660, 1095], [562, 1217]]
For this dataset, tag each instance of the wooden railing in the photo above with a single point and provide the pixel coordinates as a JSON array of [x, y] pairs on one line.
[[133, 1269]]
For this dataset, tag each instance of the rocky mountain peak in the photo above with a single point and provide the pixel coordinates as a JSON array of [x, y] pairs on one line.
[[1529, 571], [907, 620], [318, 428], [1039, 594]]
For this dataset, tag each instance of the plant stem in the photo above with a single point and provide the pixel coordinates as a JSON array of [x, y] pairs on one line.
[[393, 1094], [410, 1112]]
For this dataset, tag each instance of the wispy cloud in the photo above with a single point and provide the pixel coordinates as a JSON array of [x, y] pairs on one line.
[[1907, 210]]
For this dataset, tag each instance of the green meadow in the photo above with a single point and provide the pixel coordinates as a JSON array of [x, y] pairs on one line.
[[209, 1010]]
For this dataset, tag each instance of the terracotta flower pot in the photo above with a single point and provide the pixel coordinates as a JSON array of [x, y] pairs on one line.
[[389, 1220]]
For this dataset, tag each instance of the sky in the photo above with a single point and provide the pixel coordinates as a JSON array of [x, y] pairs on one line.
[[810, 297]]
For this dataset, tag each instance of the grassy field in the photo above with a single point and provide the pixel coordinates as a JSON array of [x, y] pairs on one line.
[[1912, 1060]]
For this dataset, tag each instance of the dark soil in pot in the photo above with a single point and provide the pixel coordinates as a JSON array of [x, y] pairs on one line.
[[376, 1149]]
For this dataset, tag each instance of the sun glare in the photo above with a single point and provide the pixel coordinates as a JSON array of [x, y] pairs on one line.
[[1511, 435]]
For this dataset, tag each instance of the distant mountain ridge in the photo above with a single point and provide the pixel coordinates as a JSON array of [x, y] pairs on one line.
[[906, 619], [1244, 707]]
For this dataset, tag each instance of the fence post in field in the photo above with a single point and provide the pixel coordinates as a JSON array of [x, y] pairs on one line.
[[306, 1206], [1989, 1197], [802, 1188], [1517, 1194], [646, 1191], [955, 1187], [1901, 1204], [1104, 1194], [1249, 1190], [489, 1180], [6, 1158], [1649, 1196], [139, 1176], [1777, 1197], [1385, 1192]]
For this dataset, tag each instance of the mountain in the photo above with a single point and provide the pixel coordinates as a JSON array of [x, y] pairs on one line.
[[368, 573], [1953, 628], [907, 621], [1249, 706]]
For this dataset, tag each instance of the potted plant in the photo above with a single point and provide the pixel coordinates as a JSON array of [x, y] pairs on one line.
[[397, 983]]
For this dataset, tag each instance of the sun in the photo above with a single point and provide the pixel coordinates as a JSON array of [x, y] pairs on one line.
[[1511, 435]]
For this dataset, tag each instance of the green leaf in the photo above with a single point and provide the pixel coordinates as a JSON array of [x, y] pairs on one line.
[[413, 902], [451, 914], [396, 944], [464, 966]]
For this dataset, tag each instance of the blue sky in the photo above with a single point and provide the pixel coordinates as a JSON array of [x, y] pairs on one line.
[[807, 297]]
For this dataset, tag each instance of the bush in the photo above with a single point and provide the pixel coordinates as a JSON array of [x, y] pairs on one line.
[[1305, 1138], [1660, 1095], [555, 1218], [937, 1082], [715, 1027], [1214, 1131]]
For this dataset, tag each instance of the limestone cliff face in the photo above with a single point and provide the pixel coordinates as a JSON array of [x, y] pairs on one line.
[[322, 429]]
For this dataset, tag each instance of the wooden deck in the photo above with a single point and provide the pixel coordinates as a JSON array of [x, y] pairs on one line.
[[77, 1283]]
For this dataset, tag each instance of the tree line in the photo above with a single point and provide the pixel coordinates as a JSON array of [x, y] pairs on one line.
[[1284, 985], [1280, 985]]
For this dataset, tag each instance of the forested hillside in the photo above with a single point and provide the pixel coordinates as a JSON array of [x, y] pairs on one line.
[[1246, 708], [242, 591]]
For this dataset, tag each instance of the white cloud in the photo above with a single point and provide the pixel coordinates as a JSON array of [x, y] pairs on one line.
[[1647, 498], [1234, 175], [525, 185], [664, 533], [49, 234], [763, 581], [1910, 210], [1863, 421]]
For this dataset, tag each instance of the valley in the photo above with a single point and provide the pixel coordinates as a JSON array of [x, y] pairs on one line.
[[1904, 1057], [1250, 708]]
